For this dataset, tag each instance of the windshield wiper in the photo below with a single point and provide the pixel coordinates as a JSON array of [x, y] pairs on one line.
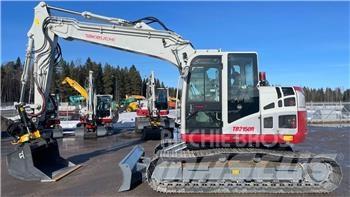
[[192, 114]]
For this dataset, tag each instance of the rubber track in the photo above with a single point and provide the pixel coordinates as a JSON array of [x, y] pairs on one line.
[[275, 186]]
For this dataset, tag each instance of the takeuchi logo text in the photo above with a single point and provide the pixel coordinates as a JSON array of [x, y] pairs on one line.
[[99, 37], [243, 128]]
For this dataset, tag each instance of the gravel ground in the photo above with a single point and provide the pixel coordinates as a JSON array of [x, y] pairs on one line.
[[101, 176]]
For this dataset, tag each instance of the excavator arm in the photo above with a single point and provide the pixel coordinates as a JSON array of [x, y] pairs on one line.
[[76, 86], [138, 36]]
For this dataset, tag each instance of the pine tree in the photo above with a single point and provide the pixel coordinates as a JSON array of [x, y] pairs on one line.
[[118, 78], [98, 81], [118, 81], [18, 64], [108, 79], [135, 81], [125, 83], [157, 83], [11, 81], [67, 71], [346, 95]]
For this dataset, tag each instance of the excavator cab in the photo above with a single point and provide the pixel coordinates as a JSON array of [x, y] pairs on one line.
[[36, 157], [103, 116], [203, 105], [161, 101], [104, 106], [228, 115]]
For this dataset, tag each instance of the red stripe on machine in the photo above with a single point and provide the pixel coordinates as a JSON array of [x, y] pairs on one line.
[[231, 138], [302, 128], [250, 138]]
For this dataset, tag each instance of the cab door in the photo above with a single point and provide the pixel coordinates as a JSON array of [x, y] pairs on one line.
[[243, 116], [204, 96]]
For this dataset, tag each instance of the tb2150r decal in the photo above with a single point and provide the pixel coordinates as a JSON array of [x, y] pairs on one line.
[[243, 128]]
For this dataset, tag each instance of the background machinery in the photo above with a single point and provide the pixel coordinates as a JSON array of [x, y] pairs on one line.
[[103, 107], [154, 116], [99, 113], [226, 112], [131, 103], [105, 110], [74, 100], [172, 102]]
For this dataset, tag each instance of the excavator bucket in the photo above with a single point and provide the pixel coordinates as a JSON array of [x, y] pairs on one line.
[[39, 160], [133, 168]]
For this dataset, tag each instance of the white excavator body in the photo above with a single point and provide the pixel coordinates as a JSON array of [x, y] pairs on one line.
[[224, 100]]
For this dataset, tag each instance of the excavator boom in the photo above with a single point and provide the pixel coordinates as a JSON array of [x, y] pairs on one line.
[[133, 36], [76, 86]]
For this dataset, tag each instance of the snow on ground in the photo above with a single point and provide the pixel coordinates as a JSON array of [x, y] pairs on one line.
[[69, 124], [10, 107], [126, 120], [172, 113], [13, 118]]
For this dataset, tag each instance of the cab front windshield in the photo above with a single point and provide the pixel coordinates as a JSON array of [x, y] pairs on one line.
[[203, 106], [204, 84], [103, 106]]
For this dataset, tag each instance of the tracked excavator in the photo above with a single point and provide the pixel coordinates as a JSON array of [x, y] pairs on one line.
[[153, 118], [225, 108], [97, 118]]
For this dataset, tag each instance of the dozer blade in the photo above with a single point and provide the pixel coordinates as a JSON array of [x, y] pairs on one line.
[[101, 131], [79, 131], [39, 160], [133, 167]]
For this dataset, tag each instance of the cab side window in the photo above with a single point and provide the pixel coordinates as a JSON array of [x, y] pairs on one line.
[[243, 95]]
